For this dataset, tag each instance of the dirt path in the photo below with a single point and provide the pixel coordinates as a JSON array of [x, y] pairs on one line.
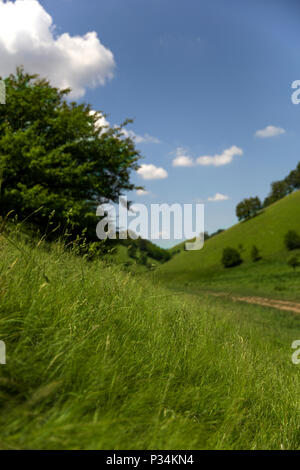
[[279, 304]]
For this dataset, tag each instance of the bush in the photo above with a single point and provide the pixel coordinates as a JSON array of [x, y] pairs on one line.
[[292, 240], [255, 256], [143, 259], [294, 262], [231, 258], [132, 250]]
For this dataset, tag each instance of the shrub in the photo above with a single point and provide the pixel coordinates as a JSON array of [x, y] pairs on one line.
[[231, 258], [294, 262], [292, 240], [132, 249], [255, 256], [143, 259]]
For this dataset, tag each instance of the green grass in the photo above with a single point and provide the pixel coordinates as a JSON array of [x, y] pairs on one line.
[[102, 359], [271, 276]]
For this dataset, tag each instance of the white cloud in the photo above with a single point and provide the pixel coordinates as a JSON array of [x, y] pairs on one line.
[[152, 172], [140, 139], [27, 37], [269, 131], [147, 139], [182, 159], [223, 159], [218, 197], [101, 121], [142, 192]]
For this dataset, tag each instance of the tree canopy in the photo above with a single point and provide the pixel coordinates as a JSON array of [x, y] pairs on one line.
[[279, 189], [248, 208], [282, 188], [56, 159]]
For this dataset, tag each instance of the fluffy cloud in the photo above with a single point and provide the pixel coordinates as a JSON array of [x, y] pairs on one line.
[[182, 159], [27, 37], [142, 192], [101, 120], [269, 131], [218, 197], [141, 139], [152, 172], [223, 159]]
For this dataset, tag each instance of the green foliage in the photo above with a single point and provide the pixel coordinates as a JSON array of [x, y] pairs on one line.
[[231, 257], [293, 179], [292, 240], [55, 159], [143, 259], [150, 249], [294, 262], [248, 208], [280, 189], [255, 255], [132, 250], [241, 248]]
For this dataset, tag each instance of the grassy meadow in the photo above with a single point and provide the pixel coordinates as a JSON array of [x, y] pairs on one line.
[[98, 358], [271, 276]]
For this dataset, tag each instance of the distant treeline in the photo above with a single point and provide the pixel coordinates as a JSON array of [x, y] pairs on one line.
[[249, 207], [207, 235], [282, 188], [145, 247]]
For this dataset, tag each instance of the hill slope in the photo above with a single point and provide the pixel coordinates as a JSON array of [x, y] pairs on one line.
[[266, 231]]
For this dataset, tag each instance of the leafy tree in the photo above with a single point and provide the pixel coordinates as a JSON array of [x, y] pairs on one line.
[[293, 179], [279, 189], [248, 208], [255, 256], [231, 257], [292, 240], [294, 262], [55, 158]]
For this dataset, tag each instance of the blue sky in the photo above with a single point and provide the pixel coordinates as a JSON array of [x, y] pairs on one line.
[[200, 77]]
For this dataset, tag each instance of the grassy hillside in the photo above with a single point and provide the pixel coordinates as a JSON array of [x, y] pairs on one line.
[[146, 254], [100, 359], [271, 275]]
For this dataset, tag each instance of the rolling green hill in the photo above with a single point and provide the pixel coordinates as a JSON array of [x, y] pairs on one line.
[[271, 275], [136, 255], [99, 359], [122, 258]]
